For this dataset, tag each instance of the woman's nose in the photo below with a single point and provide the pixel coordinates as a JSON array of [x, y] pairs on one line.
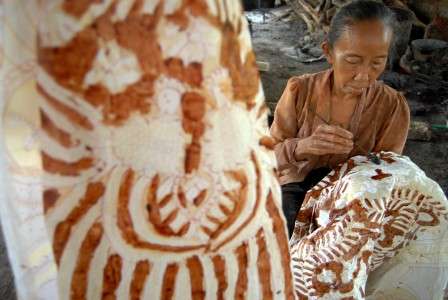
[[362, 75]]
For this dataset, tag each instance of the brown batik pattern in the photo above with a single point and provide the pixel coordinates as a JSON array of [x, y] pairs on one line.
[[355, 219], [159, 172]]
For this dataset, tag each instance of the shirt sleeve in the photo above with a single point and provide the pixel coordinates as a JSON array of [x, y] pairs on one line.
[[284, 127], [392, 136]]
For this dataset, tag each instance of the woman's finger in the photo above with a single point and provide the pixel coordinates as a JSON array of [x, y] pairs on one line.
[[335, 130], [325, 147], [333, 138]]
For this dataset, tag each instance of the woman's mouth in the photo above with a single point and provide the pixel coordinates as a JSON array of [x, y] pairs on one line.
[[354, 90]]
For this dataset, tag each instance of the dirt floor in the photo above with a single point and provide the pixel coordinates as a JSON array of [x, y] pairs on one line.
[[269, 37]]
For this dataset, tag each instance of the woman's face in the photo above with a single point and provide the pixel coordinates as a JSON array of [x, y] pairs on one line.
[[359, 56]]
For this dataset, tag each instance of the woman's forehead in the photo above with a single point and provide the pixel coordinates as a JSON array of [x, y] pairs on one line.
[[365, 36]]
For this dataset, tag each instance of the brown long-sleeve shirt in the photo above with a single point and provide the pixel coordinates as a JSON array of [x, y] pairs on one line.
[[380, 122]]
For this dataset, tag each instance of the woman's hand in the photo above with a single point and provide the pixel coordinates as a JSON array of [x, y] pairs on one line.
[[326, 139]]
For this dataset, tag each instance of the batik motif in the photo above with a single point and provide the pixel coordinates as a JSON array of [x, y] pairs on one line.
[[362, 216], [159, 174]]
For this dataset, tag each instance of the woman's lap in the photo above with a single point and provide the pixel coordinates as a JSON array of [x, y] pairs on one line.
[[294, 193], [292, 198]]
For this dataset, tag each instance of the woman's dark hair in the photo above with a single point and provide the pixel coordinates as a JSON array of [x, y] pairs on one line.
[[356, 11]]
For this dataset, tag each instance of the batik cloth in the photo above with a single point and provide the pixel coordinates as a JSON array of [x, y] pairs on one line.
[[370, 231]]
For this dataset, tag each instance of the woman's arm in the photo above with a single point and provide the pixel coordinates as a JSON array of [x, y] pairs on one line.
[[291, 150], [392, 136], [284, 128]]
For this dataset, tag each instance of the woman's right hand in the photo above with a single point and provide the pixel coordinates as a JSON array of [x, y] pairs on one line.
[[327, 139]]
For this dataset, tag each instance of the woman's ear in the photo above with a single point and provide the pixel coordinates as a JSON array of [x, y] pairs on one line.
[[327, 51]]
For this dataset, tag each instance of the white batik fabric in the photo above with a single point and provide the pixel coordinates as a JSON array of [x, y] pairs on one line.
[[370, 231], [136, 135]]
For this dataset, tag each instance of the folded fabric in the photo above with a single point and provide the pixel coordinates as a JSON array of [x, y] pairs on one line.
[[372, 231]]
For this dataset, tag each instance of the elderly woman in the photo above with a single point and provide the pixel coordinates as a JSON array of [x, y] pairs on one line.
[[325, 118], [371, 229]]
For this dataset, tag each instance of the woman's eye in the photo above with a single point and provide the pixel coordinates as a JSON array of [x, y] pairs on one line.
[[352, 61], [377, 64]]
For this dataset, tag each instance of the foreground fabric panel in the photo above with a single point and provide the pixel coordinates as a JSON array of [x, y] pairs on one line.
[[372, 231], [159, 177], [21, 212]]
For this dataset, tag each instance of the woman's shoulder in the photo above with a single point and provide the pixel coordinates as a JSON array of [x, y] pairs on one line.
[[307, 79]]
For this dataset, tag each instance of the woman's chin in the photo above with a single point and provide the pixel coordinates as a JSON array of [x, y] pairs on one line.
[[353, 92]]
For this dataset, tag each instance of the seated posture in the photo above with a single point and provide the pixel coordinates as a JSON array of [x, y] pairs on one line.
[[323, 119], [370, 229]]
